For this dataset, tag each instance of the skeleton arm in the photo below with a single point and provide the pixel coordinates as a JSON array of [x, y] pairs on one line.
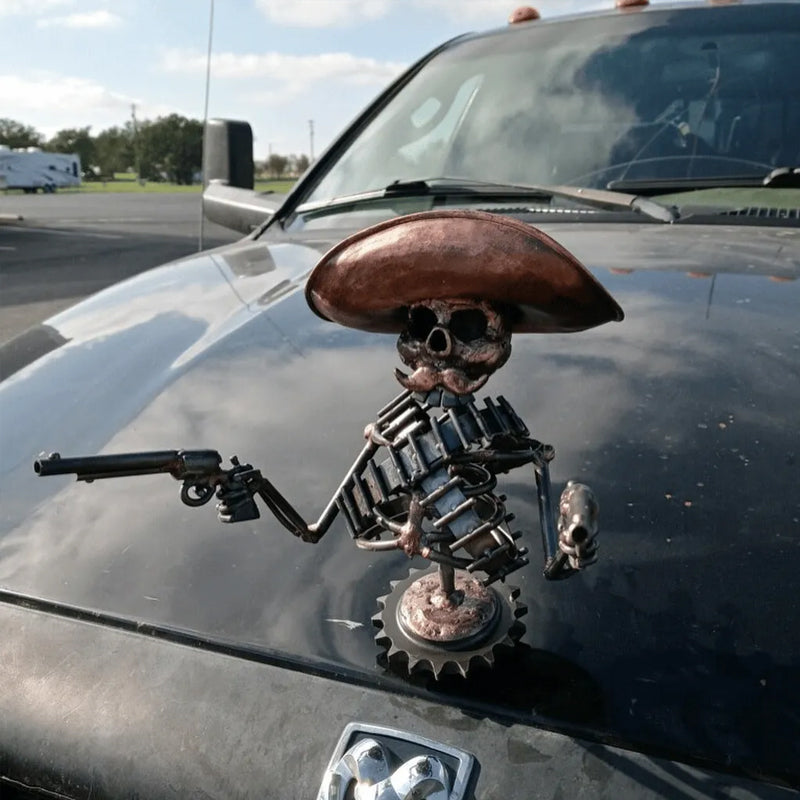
[[434, 493], [237, 505]]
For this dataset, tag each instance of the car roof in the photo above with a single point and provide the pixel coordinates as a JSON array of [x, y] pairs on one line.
[[611, 10]]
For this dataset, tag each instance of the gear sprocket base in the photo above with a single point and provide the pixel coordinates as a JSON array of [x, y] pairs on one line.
[[420, 635]]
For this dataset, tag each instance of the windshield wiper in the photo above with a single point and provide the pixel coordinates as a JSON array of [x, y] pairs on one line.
[[594, 198], [779, 178], [653, 186], [455, 187], [486, 190]]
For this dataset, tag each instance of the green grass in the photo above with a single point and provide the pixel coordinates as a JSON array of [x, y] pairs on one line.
[[134, 186], [282, 186]]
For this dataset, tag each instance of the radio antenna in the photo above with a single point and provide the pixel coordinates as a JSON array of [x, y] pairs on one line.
[[205, 114]]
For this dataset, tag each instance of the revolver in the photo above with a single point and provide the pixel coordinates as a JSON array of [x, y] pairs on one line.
[[202, 475]]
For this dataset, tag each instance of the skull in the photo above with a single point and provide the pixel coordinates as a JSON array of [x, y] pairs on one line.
[[454, 344]]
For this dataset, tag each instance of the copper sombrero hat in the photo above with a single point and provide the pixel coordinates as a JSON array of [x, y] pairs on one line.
[[369, 280]]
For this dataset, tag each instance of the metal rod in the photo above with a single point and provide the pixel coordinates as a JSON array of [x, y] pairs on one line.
[[364, 494], [201, 233], [378, 546], [446, 519], [441, 491], [398, 465], [331, 510], [377, 478], [447, 579], [546, 518], [476, 415], [513, 416], [404, 418], [422, 464], [495, 414], [393, 404], [489, 525], [454, 421], [437, 434]]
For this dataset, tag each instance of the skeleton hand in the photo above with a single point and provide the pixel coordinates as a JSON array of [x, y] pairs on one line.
[[411, 531], [577, 525], [372, 433]]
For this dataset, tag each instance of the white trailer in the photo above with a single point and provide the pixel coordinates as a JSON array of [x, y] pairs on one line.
[[32, 169]]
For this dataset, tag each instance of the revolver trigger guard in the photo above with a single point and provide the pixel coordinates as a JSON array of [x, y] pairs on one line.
[[196, 494]]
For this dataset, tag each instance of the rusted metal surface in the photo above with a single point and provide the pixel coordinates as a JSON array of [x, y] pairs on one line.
[[370, 280], [432, 492], [428, 612], [455, 344], [410, 649]]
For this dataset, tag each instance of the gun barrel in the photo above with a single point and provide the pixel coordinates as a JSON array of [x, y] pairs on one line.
[[179, 463]]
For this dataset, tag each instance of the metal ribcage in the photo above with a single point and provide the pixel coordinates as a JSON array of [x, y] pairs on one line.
[[465, 512], [419, 443]]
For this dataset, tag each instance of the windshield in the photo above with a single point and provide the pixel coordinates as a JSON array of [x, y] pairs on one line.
[[662, 95]]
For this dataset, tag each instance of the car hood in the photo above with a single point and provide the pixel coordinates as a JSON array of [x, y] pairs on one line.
[[684, 638]]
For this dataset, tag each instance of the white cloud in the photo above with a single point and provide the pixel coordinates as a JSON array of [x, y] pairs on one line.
[[31, 7], [299, 71], [90, 19], [74, 102], [57, 92], [490, 12], [322, 13]]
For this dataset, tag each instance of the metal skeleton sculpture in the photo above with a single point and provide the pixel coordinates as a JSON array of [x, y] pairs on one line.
[[454, 285]]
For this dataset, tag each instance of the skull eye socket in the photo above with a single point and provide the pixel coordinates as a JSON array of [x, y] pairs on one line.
[[468, 324], [421, 321]]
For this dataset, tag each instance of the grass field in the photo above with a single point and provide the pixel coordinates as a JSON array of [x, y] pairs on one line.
[[128, 184]]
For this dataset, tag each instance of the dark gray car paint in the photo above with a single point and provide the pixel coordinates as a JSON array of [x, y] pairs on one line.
[[682, 640], [99, 713]]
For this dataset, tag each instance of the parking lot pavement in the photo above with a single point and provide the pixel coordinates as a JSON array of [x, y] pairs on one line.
[[68, 246]]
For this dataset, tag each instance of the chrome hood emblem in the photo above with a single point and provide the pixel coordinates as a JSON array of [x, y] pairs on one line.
[[372, 762]]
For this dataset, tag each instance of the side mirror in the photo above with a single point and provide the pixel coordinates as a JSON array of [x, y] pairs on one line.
[[228, 177], [228, 153]]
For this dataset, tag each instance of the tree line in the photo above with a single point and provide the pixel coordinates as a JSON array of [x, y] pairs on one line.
[[165, 149]]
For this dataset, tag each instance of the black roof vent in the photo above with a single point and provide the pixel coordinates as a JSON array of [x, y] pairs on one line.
[[764, 213]]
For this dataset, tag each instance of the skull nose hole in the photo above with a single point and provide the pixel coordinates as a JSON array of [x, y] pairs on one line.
[[439, 341]]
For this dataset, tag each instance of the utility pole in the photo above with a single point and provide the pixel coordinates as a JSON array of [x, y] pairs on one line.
[[137, 164], [311, 140]]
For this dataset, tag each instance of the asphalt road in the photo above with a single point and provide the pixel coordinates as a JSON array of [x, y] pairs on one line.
[[71, 245]]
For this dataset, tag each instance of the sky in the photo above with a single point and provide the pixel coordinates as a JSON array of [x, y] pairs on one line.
[[279, 64]]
